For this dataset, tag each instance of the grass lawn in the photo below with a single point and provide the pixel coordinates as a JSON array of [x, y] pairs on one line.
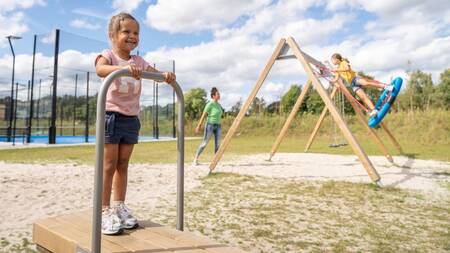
[[165, 152]]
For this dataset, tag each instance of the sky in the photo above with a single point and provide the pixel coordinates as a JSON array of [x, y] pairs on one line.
[[226, 43]]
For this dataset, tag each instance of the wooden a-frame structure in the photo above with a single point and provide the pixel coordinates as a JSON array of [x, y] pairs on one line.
[[307, 63]]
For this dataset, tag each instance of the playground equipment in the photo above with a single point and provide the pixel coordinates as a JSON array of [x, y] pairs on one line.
[[385, 102], [313, 69], [70, 233]]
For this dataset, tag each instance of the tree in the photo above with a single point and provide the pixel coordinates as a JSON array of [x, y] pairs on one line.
[[444, 90], [236, 107], [289, 98], [194, 102], [420, 90], [272, 108], [258, 106], [314, 102]]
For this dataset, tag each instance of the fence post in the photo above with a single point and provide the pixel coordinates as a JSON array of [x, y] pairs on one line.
[[52, 128], [30, 120], [86, 127]]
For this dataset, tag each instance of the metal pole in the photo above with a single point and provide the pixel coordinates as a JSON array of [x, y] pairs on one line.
[[157, 112], [153, 109], [173, 105], [99, 152], [52, 129], [38, 102], [30, 120], [86, 126], [12, 87], [75, 104], [61, 114], [15, 116], [26, 120]]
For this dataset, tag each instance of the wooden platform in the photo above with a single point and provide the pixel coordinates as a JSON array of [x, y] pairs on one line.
[[71, 233]]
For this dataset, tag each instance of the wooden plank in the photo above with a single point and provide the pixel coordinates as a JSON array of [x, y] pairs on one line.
[[319, 122], [125, 240], [199, 241], [373, 174], [163, 241], [80, 232], [290, 118], [50, 240], [69, 232], [246, 105]]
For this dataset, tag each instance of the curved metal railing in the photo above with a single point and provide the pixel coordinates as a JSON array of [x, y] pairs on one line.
[[100, 142]]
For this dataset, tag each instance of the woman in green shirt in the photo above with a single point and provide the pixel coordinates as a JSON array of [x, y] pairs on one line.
[[213, 110]]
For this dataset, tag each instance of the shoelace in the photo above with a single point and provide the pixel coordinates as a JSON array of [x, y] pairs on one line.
[[112, 219], [123, 210]]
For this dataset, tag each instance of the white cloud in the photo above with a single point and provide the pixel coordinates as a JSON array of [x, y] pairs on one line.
[[10, 5], [198, 15], [319, 31], [12, 24], [84, 24], [126, 5]]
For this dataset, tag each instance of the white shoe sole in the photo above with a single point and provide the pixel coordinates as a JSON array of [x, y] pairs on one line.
[[118, 232]]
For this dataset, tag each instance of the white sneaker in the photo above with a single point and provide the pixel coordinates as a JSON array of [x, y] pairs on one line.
[[373, 113], [126, 219], [195, 162], [111, 222]]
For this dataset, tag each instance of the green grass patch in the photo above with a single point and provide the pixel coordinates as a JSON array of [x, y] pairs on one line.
[[422, 135], [165, 152]]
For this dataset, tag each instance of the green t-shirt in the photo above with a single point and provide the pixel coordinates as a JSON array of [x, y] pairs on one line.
[[214, 111]]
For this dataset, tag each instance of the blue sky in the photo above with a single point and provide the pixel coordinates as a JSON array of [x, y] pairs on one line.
[[227, 43]]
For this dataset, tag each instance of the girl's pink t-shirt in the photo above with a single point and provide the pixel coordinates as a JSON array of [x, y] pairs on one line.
[[124, 93]]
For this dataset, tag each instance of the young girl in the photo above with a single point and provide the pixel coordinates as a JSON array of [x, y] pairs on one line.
[[356, 82], [213, 111], [121, 123]]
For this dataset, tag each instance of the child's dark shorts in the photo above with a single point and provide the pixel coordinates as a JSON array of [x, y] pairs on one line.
[[355, 85], [121, 128]]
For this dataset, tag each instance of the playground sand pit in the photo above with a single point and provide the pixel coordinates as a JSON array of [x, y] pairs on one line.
[[296, 202]]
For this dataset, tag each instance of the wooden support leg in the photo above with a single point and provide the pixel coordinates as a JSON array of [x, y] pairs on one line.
[[373, 174], [319, 122], [291, 117], [246, 105]]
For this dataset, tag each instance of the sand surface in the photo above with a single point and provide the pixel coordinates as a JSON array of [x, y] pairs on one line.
[[33, 191]]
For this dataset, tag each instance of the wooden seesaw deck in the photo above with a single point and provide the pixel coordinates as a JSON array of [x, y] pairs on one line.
[[71, 233]]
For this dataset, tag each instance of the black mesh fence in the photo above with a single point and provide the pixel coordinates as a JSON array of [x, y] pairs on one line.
[[65, 100]]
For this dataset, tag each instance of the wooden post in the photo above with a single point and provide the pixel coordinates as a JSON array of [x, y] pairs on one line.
[[246, 105], [291, 116], [319, 122], [373, 174]]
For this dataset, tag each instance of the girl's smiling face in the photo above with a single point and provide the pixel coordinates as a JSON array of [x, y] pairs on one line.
[[127, 38]]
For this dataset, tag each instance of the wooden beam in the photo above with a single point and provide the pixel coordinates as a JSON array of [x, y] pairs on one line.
[[373, 174], [319, 122], [246, 105], [291, 117]]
